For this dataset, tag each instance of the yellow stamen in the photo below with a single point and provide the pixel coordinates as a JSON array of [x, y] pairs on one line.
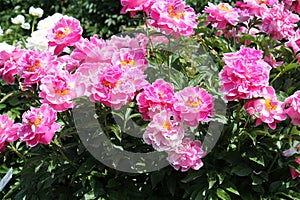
[[194, 104], [224, 7], [173, 13], [269, 105], [167, 126]]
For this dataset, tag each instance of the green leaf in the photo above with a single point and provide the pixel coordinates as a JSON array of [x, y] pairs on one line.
[[222, 194], [230, 187], [241, 170], [211, 178]]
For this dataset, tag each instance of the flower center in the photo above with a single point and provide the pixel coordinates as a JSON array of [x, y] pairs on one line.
[[36, 65], [193, 102], [224, 7], [167, 126], [36, 122], [269, 105], [109, 84], [128, 62], [262, 2], [62, 33], [173, 13]]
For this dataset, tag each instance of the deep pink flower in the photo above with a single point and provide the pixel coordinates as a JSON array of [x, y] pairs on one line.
[[245, 74], [194, 105], [133, 6], [293, 172], [155, 98], [58, 90], [67, 32], [38, 125], [9, 66], [221, 15], [8, 130], [267, 109], [292, 5], [293, 107], [279, 22], [165, 131], [272, 61], [187, 155], [173, 17], [35, 65]]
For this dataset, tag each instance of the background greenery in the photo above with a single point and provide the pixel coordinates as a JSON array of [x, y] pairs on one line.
[[245, 164]]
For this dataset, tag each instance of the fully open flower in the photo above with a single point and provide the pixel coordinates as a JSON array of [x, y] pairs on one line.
[[165, 131], [133, 6], [267, 109], [194, 105], [245, 74], [38, 125], [187, 155]]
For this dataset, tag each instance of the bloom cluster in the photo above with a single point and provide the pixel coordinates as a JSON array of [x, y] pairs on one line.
[[172, 16]]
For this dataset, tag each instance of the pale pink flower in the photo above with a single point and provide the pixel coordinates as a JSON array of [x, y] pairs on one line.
[[9, 64], [173, 17], [165, 131], [245, 74], [294, 42], [221, 15], [155, 98], [187, 155], [134, 6], [129, 58], [8, 130], [38, 125], [119, 42], [194, 105], [267, 109], [68, 63], [34, 65], [257, 8], [293, 107], [58, 90], [279, 22], [67, 32]]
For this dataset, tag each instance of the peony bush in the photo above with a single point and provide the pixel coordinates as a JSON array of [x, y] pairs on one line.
[[246, 57]]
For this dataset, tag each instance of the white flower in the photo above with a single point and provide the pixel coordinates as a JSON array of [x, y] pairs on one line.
[[20, 19], [38, 40], [37, 12], [26, 26], [1, 31], [6, 47], [49, 22]]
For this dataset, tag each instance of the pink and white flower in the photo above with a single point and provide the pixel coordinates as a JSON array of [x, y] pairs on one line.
[[8, 130], [58, 90], [245, 74], [221, 15], [66, 32], [279, 22], [173, 17], [293, 107], [154, 98], [194, 105], [165, 132], [187, 155], [38, 125], [267, 109], [134, 6]]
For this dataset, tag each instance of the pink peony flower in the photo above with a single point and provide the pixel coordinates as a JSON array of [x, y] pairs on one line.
[[272, 61], [127, 58], [35, 65], [221, 15], [38, 125], [292, 5], [293, 107], [165, 131], [155, 98], [279, 22], [173, 17], [293, 172], [58, 90], [9, 64], [67, 32], [133, 6], [267, 109], [194, 105], [257, 8], [245, 74], [294, 42], [187, 155], [8, 130]]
